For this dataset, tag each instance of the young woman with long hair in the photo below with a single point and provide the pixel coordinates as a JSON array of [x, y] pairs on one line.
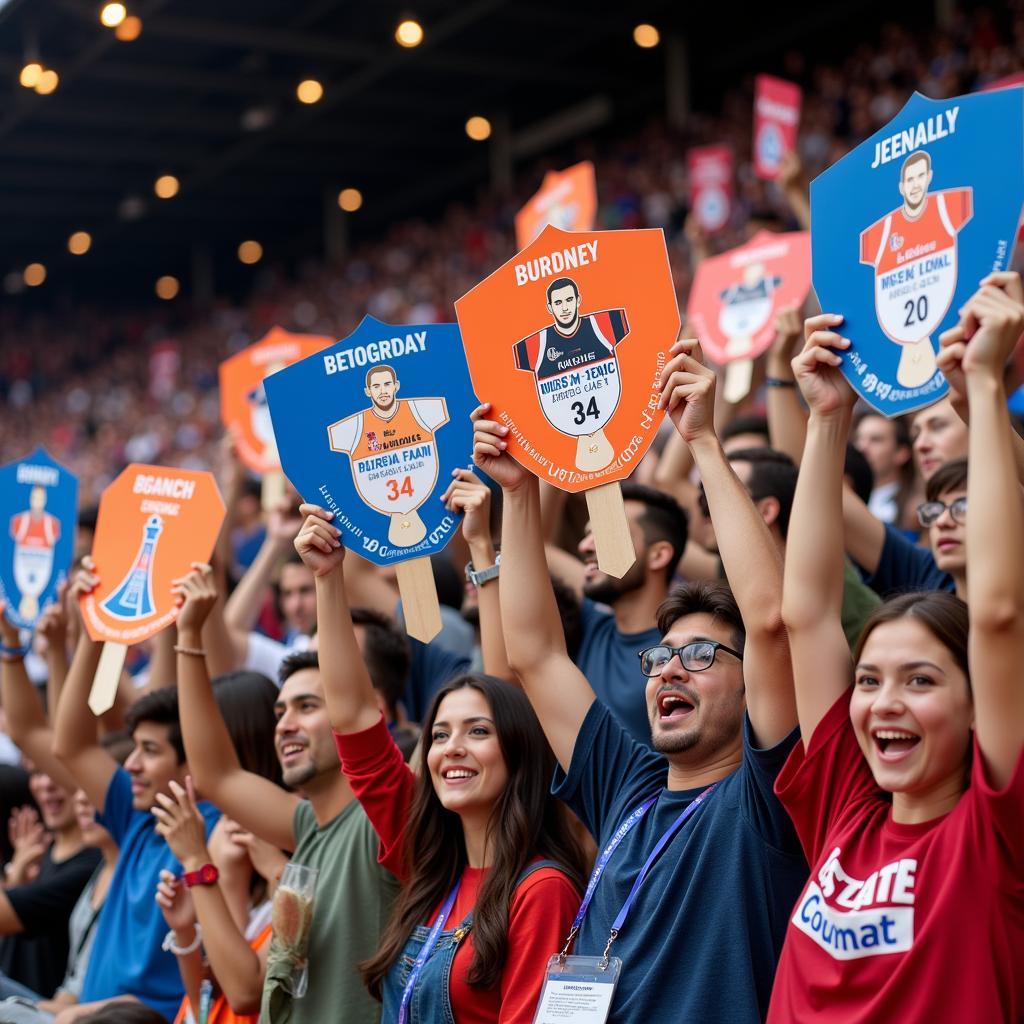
[[908, 788], [492, 876]]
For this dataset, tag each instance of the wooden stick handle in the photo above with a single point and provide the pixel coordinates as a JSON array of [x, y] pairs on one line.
[[615, 554], [108, 675], [420, 607]]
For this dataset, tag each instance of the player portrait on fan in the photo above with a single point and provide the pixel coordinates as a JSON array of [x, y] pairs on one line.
[[746, 307], [393, 452], [914, 252], [35, 532], [576, 371]]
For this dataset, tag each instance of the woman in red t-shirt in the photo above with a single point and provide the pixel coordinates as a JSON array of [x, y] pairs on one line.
[[908, 789], [492, 874]]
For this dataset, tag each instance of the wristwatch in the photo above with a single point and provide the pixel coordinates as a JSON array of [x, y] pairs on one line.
[[206, 875], [478, 579]]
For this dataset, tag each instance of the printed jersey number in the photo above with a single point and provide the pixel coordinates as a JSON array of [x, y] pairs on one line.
[[916, 311], [580, 414], [395, 491]]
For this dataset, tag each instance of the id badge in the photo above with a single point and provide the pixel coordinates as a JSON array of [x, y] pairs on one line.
[[577, 990]]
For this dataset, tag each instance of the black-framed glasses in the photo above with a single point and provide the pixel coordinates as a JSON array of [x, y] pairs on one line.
[[929, 512], [696, 656]]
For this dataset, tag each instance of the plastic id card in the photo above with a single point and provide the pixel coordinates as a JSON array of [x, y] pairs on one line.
[[578, 990]]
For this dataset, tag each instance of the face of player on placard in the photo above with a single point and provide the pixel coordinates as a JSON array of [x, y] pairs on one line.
[[37, 499], [917, 176], [382, 387], [564, 305]]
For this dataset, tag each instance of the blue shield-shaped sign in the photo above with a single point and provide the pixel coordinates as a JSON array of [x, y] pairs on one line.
[[38, 514], [904, 228], [372, 429]]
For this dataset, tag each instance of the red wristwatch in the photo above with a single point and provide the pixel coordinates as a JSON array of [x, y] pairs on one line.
[[206, 875]]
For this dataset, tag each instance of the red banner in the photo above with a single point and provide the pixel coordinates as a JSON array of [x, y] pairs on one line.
[[710, 169], [776, 119]]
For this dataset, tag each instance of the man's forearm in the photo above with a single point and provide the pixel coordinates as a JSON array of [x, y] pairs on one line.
[[74, 724]]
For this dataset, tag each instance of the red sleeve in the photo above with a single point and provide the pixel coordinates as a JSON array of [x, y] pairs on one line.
[[383, 783], [870, 239], [959, 206], [538, 922], [825, 779], [526, 352], [999, 822]]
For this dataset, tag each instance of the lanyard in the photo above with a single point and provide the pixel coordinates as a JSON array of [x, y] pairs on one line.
[[425, 950], [620, 833]]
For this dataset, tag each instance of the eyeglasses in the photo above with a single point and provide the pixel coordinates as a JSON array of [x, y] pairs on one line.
[[929, 512], [697, 656]]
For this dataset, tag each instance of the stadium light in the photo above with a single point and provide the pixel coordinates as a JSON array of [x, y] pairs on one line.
[[646, 36], [112, 14], [167, 287], [79, 243], [409, 33], [34, 275], [30, 74], [166, 186], [48, 82], [350, 199], [129, 30], [478, 128], [309, 91], [250, 252]]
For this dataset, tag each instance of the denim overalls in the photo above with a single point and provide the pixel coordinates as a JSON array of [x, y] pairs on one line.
[[431, 1001]]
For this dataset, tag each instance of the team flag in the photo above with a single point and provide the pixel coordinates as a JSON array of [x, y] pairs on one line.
[[776, 119], [566, 199]]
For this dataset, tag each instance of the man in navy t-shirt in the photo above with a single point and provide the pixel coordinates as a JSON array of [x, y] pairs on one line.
[[127, 960], [706, 929]]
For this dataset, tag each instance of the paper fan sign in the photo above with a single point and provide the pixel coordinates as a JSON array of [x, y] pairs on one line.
[[776, 119], [243, 401], [710, 173], [38, 514], [905, 226], [566, 342], [736, 296], [566, 199], [153, 523], [372, 429]]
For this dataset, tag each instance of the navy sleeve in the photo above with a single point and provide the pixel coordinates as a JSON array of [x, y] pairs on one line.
[[759, 805], [903, 568], [432, 667], [620, 325], [48, 902], [117, 811], [610, 773]]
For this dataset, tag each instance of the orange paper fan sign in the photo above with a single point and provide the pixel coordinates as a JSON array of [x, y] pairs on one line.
[[154, 522], [566, 199], [243, 400]]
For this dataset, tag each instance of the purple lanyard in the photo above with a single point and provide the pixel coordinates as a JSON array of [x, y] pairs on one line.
[[606, 855], [425, 951]]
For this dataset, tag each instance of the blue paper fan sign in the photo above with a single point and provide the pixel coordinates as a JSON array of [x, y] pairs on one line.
[[372, 429], [38, 516], [904, 228]]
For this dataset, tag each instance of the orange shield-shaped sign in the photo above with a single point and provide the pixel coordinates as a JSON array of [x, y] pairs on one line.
[[566, 199], [243, 401], [566, 341], [154, 521]]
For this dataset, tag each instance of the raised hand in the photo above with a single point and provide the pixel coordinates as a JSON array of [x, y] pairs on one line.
[[30, 841], [179, 822], [175, 902], [466, 493], [816, 368], [319, 543], [789, 330], [53, 623], [285, 520], [83, 581], [10, 635], [490, 451], [197, 594], [266, 858], [993, 321], [688, 391]]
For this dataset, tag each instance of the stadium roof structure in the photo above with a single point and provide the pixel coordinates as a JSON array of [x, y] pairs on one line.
[[207, 93]]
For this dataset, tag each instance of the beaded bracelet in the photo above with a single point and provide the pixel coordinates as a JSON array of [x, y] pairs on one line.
[[196, 652]]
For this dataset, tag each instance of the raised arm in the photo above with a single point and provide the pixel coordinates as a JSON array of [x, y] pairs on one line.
[[992, 323], [26, 719], [558, 691], [53, 628], [351, 700], [813, 589], [749, 555], [787, 418], [74, 732], [254, 802]]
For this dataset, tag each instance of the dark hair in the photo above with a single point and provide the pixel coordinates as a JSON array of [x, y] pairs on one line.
[[913, 159], [663, 519], [749, 424], [570, 611], [296, 662], [526, 822], [950, 476], [710, 597], [246, 701], [900, 428], [943, 615], [448, 581], [561, 282], [858, 471], [87, 516], [387, 655], [124, 1013], [772, 475], [380, 369], [159, 707]]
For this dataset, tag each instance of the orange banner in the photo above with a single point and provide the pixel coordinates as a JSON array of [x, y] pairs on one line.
[[566, 199]]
